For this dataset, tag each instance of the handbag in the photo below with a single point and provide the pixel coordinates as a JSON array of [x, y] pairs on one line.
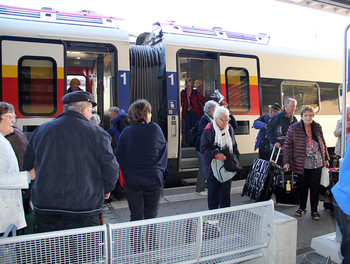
[[219, 171], [324, 177], [232, 163]]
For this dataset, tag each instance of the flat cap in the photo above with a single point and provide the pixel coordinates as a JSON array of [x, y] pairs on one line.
[[78, 96], [275, 107]]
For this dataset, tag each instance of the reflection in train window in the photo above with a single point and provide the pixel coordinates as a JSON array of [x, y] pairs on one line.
[[306, 93], [37, 88], [237, 89]]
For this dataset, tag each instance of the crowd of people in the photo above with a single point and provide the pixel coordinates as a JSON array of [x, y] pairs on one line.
[[73, 150]]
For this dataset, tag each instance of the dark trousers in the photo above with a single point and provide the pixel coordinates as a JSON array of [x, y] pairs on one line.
[[53, 222], [143, 196], [190, 121], [343, 221], [310, 180], [219, 194]]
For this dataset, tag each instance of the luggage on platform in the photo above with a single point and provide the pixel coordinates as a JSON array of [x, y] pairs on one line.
[[328, 196], [260, 180], [286, 188]]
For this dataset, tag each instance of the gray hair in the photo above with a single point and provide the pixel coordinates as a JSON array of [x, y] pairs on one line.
[[287, 101], [95, 118], [113, 110], [77, 106], [210, 105], [220, 110]]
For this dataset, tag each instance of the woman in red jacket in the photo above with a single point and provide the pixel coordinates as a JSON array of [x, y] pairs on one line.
[[191, 108], [305, 151]]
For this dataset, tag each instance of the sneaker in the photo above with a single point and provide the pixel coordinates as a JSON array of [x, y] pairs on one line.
[[203, 193]]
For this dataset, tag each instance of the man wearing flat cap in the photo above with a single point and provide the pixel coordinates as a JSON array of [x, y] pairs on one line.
[[261, 141], [75, 167]]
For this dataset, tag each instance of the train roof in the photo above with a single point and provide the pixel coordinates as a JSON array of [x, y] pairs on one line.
[[219, 40], [51, 23]]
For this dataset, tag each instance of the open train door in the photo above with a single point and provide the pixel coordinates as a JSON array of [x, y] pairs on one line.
[[240, 81], [32, 73]]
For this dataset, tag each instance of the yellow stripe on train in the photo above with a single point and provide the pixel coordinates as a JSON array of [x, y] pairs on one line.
[[11, 71], [252, 79]]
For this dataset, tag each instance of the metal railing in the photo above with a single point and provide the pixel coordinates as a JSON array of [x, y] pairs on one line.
[[231, 235]]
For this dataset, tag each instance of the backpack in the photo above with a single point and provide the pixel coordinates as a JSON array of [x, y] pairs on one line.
[[192, 135]]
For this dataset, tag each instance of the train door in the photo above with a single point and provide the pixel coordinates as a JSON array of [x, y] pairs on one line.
[[202, 68], [32, 72], [94, 64], [240, 85]]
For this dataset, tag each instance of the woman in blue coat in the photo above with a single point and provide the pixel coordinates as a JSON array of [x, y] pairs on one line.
[[142, 155], [216, 139]]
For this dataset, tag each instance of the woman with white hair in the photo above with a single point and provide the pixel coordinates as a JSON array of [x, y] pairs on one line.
[[217, 138]]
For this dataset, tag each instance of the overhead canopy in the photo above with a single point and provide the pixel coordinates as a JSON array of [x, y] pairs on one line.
[[335, 6]]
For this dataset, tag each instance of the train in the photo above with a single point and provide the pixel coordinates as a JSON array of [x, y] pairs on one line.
[[41, 50]]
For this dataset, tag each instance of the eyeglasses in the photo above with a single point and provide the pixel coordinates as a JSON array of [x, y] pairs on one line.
[[10, 117], [225, 121], [93, 111]]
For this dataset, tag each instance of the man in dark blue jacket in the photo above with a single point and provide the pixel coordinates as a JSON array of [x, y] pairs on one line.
[[75, 167], [277, 129]]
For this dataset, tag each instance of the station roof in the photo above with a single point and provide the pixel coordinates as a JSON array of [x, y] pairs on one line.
[[341, 7]]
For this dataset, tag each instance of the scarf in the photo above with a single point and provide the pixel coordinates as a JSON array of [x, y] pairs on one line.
[[222, 137]]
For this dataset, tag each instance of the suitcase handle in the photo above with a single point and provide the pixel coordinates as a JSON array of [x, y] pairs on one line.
[[277, 155]]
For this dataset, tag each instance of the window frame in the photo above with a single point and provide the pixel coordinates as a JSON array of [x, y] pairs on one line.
[[21, 84], [248, 90]]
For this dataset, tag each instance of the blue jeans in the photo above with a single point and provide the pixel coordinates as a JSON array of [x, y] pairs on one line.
[[219, 194], [343, 221], [143, 196]]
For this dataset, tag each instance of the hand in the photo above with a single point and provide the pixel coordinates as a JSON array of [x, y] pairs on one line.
[[265, 126], [32, 174], [221, 157], [107, 196], [327, 163], [277, 145], [286, 166]]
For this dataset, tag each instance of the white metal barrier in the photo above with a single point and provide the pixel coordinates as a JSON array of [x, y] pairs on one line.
[[83, 245], [228, 235]]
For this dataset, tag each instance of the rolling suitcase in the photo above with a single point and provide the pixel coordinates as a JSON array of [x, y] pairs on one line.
[[260, 180], [333, 179], [286, 188]]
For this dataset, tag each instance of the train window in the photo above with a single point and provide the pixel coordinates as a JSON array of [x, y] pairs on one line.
[[81, 78], [340, 90], [306, 93], [37, 86], [237, 89]]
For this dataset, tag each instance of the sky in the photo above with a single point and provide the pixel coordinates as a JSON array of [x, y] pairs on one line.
[[287, 24]]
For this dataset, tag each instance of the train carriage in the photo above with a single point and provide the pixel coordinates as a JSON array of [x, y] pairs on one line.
[[41, 50]]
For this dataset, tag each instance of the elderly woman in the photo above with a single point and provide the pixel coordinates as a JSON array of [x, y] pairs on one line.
[[209, 109], [217, 138], [142, 155], [305, 151], [191, 108], [11, 180]]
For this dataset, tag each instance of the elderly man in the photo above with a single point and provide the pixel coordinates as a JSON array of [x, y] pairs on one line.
[[76, 168], [276, 130], [119, 120]]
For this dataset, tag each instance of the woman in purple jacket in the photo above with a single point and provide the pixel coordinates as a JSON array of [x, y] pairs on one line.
[[305, 151]]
